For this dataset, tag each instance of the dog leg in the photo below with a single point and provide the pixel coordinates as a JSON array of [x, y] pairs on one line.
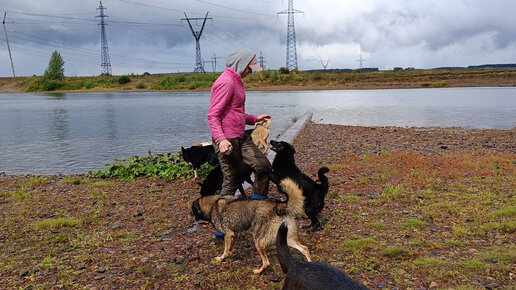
[[265, 259], [195, 174], [229, 242], [293, 242]]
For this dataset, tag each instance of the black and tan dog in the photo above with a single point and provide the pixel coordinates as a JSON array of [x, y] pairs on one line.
[[309, 275], [261, 133], [231, 215], [284, 165], [198, 155]]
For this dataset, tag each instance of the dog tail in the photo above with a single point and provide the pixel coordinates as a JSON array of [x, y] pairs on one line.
[[295, 197], [323, 179], [282, 251]]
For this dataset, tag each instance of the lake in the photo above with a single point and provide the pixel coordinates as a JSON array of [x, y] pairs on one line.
[[77, 132]]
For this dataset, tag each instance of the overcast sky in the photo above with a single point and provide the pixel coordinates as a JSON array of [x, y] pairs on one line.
[[149, 35]]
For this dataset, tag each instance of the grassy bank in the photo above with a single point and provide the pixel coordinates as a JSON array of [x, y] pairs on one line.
[[407, 208], [271, 80]]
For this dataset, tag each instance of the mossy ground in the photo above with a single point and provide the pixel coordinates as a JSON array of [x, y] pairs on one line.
[[393, 218]]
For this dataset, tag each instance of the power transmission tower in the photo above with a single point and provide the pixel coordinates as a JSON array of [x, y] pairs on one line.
[[8, 47], [214, 61], [105, 63], [291, 36], [360, 60], [261, 60], [199, 67], [325, 63]]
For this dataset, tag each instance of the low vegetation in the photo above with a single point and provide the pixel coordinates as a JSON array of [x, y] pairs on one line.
[[435, 221], [268, 80]]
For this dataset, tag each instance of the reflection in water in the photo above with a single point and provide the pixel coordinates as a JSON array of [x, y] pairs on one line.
[[75, 133], [111, 129], [60, 126]]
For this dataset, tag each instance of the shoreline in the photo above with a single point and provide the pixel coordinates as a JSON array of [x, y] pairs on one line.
[[273, 81], [422, 139]]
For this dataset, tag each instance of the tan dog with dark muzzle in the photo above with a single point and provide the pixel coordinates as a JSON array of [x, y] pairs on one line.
[[230, 216]]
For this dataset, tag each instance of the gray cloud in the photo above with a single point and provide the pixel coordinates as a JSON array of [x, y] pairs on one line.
[[148, 35]]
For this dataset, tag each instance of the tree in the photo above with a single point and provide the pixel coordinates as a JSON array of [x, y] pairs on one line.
[[55, 70]]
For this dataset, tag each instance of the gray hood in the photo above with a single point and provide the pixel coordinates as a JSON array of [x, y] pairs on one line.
[[239, 59]]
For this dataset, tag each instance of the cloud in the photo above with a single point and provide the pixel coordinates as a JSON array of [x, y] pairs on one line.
[[149, 35]]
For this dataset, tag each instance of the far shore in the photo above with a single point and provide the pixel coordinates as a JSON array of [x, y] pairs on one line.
[[272, 81]]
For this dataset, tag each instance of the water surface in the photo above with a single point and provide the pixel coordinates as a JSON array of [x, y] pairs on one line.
[[75, 133]]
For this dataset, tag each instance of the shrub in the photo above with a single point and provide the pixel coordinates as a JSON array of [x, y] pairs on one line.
[[87, 84], [123, 80], [140, 85], [283, 71], [316, 76], [166, 166]]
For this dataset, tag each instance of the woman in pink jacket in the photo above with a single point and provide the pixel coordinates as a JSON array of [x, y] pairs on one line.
[[227, 119]]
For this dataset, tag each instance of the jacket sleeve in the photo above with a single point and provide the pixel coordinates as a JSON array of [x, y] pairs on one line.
[[250, 119], [220, 98]]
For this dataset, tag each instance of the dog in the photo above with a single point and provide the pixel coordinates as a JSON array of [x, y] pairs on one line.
[[213, 182], [309, 275], [231, 215], [198, 155], [261, 133], [284, 166]]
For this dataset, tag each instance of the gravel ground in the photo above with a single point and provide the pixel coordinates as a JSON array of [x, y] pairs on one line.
[[318, 143]]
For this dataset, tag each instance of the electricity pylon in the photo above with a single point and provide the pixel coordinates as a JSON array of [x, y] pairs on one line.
[[291, 36], [199, 66], [105, 63]]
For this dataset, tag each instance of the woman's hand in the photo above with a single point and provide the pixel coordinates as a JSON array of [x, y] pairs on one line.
[[224, 145], [262, 117]]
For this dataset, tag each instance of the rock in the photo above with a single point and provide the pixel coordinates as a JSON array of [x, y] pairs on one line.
[[405, 212], [432, 285], [128, 272], [195, 228], [492, 285], [143, 260], [99, 277], [80, 268], [101, 270], [382, 285], [275, 278]]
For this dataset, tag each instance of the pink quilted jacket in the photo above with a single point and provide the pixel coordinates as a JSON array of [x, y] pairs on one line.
[[226, 116]]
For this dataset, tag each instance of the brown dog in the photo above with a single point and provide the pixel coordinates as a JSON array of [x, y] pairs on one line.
[[231, 215], [261, 133]]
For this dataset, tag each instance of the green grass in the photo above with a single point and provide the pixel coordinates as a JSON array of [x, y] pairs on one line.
[[395, 251], [414, 224], [56, 223], [73, 180], [473, 264], [505, 212]]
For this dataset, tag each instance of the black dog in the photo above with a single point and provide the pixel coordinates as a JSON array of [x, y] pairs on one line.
[[284, 166], [198, 155], [213, 181], [309, 275]]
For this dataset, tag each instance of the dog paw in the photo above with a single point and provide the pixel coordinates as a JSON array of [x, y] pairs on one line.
[[220, 258], [257, 271]]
